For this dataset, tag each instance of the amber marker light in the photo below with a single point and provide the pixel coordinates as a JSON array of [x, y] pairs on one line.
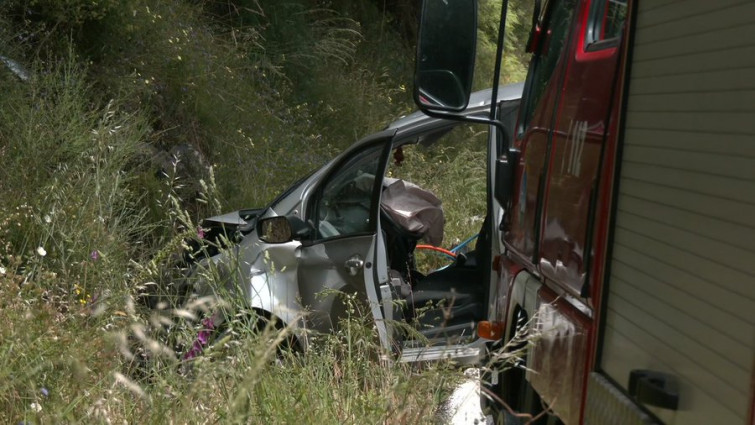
[[490, 330]]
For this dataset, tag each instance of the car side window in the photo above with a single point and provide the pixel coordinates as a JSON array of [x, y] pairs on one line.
[[345, 202]]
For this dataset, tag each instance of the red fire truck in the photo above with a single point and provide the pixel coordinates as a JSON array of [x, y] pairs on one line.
[[625, 203]]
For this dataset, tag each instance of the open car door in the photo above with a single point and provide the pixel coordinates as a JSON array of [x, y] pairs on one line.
[[345, 252]]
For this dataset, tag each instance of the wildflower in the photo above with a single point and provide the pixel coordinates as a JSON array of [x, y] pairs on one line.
[[94, 255], [36, 407], [2, 270], [200, 232], [45, 392], [202, 339], [41, 251], [195, 350]]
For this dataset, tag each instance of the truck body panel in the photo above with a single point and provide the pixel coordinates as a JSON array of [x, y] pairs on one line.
[[636, 190], [680, 290], [629, 243]]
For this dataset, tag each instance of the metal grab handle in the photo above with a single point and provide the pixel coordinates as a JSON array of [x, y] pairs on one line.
[[354, 264]]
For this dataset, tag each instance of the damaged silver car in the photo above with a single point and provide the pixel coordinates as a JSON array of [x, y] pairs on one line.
[[349, 227]]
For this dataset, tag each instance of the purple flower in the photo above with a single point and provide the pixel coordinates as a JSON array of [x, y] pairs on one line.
[[202, 338], [94, 255], [195, 350], [208, 323], [44, 391], [200, 232]]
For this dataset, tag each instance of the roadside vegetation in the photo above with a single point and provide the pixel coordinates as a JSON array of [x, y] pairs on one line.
[[138, 118]]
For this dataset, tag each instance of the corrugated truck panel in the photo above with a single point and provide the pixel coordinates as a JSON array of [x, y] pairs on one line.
[[681, 288]]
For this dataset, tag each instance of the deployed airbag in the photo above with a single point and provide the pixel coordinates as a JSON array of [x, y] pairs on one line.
[[416, 210]]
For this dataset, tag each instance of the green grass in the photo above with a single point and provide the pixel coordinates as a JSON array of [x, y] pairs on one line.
[[454, 170], [94, 208], [104, 365]]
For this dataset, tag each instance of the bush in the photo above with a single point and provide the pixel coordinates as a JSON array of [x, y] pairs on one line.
[[69, 158]]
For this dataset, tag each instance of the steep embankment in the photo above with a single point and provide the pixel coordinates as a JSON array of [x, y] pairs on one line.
[[137, 118]]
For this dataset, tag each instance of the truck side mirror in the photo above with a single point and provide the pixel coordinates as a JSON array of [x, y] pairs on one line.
[[445, 54]]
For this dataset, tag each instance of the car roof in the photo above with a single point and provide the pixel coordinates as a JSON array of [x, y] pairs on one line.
[[408, 129]]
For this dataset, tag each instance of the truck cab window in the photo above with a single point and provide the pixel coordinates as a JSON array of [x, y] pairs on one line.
[[613, 21], [606, 23], [556, 31]]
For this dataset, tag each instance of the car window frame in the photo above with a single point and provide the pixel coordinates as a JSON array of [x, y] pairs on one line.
[[383, 145]]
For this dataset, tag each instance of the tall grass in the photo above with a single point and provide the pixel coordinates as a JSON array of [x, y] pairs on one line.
[[87, 220], [97, 193]]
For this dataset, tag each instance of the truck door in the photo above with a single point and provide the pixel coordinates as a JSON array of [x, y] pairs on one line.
[[564, 121], [579, 134], [540, 99]]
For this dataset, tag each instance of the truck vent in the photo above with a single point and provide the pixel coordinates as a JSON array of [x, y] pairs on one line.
[[606, 404]]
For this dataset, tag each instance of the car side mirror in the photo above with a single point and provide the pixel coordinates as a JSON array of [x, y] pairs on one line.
[[281, 229], [445, 54]]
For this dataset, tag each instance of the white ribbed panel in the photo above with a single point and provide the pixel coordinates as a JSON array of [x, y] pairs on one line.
[[682, 285]]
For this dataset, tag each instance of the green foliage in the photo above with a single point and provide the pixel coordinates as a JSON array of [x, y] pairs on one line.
[[140, 117], [513, 67], [69, 158], [69, 12], [123, 371], [349, 77], [455, 171]]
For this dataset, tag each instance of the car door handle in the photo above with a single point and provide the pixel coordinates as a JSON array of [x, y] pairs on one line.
[[354, 264]]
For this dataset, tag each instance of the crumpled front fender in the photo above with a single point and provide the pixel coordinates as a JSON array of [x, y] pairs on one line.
[[265, 279]]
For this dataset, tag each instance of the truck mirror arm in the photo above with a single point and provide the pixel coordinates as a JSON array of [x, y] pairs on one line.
[[498, 60], [473, 119]]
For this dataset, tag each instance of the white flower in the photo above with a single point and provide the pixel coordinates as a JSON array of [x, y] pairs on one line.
[[2, 270], [48, 219], [41, 251], [36, 407]]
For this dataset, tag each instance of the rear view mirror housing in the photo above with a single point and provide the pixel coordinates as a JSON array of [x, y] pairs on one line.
[[445, 54], [281, 229]]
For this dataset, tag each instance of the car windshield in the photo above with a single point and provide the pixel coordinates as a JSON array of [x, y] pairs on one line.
[[290, 189]]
